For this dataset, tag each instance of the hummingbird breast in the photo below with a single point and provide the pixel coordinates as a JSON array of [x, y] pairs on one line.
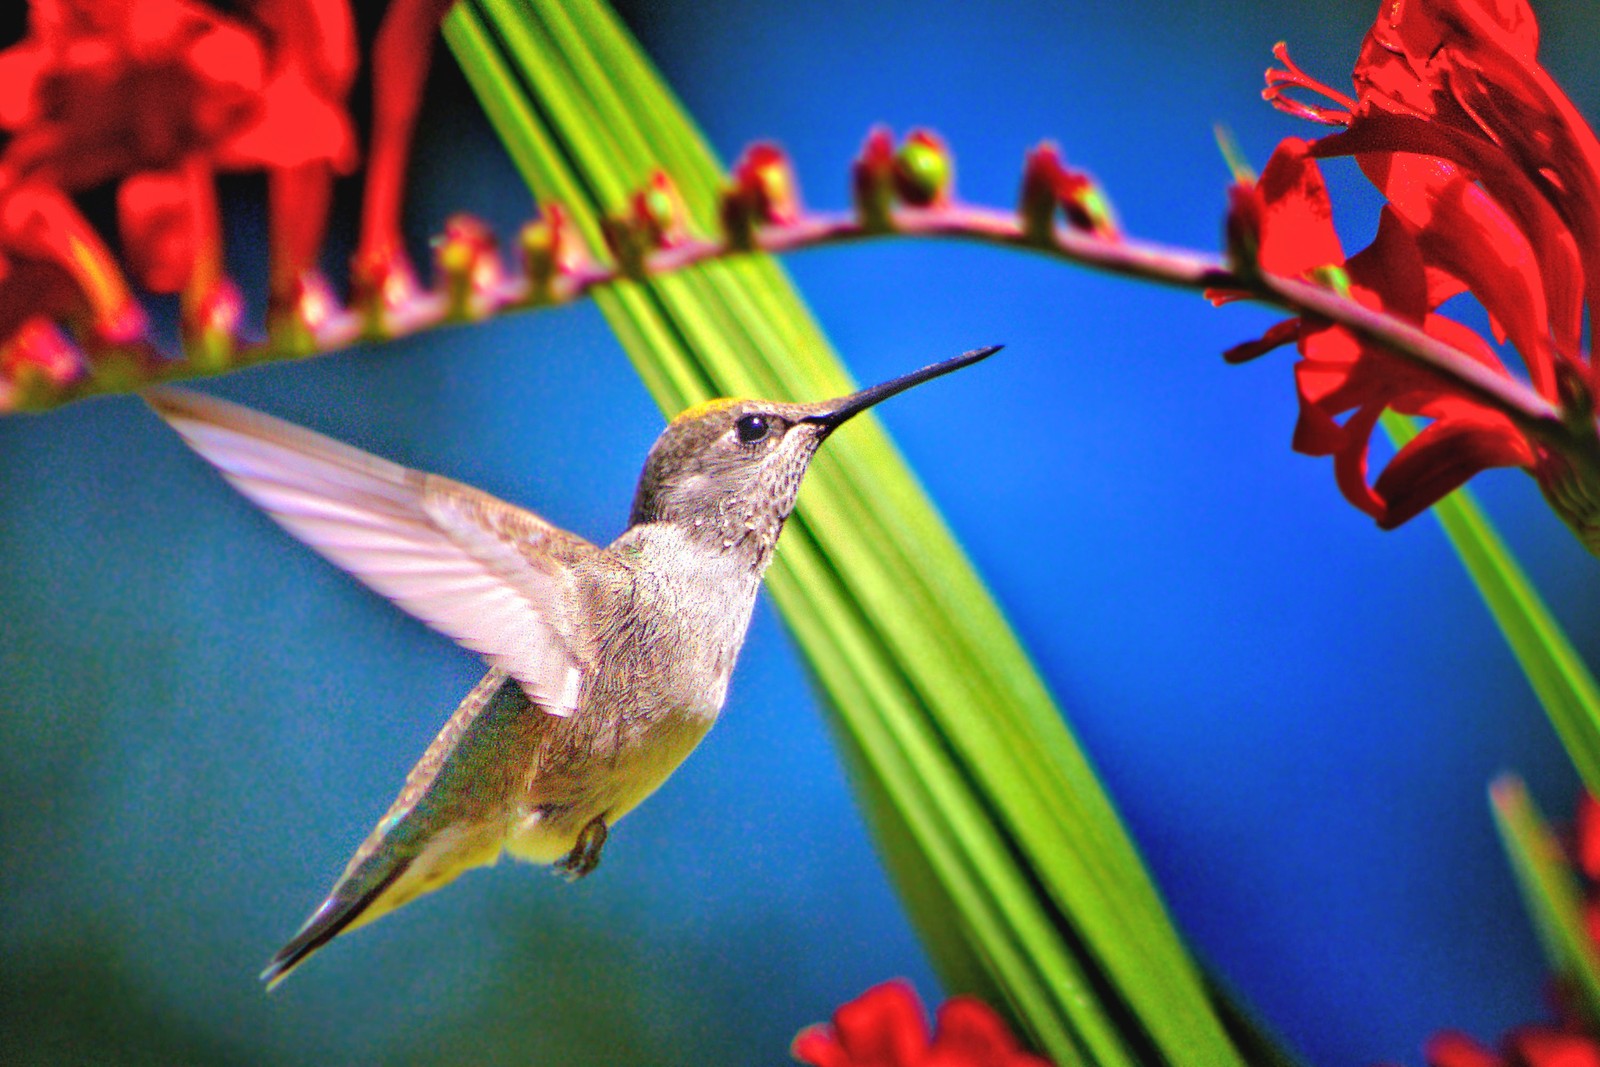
[[663, 620]]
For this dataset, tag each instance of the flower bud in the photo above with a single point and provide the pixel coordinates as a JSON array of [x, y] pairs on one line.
[[381, 286], [659, 213], [35, 363], [1036, 203], [1048, 186], [923, 170], [763, 192], [551, 250], [211, 325], [295, 315], [469, 265], [872, 181]]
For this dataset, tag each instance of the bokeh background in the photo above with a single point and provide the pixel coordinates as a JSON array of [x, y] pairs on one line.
[[1297, 714]]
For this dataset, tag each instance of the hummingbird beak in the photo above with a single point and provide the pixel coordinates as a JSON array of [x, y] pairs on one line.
[[856, 403]]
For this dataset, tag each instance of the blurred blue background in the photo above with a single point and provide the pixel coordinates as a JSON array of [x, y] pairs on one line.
[[1297, 713]]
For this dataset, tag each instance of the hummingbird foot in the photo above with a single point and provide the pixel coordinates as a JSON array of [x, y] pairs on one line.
[[585, 854]]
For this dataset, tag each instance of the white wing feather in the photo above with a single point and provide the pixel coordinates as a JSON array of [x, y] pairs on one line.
[[469, 565]]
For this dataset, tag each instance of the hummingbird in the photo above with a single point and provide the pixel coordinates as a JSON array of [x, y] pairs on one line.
[[606, 665]]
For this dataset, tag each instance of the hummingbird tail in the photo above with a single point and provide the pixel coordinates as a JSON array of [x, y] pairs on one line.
[[332, 917], [400, 862]]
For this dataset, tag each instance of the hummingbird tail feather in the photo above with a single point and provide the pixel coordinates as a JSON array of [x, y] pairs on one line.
[[332, 917], [388, 872]]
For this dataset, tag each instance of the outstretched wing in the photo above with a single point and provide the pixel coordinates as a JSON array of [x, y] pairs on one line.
[[492, 576]]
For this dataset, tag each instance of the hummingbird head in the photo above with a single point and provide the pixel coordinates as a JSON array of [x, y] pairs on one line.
[[729, 470]]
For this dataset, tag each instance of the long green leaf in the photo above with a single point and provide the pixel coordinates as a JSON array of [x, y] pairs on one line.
[[1557, 673], [1012, 859], [1549, 890]]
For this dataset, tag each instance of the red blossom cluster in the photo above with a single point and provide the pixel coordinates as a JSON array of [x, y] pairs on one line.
[[154, 98], [1572, 1041], [886, 1027], [1493, 186]]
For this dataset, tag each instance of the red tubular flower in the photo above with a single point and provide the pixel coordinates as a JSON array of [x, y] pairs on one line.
[[54, 266], [1340, 374], [886, 1027], [100, 89], [156, 95], [400, 59], [1493, 187]]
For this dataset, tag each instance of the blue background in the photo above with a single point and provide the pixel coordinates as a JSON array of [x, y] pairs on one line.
[[1297, 713]]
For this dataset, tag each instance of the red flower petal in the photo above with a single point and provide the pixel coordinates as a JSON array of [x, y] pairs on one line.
[[58, 266], [968, 1027], [160, 235], [22, 66], [1453, 1049], [1556, 250], [969, 1033], [1391, 273], [1296, 229], [1538, 1046], [1277, 335], [1462, 230], [296, 126], [884, 1027], [1441, 458], [1350, 462], [1586, 836], [401, 55], [818, 1046]]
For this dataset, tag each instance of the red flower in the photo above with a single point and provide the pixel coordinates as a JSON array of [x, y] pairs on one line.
[[53, 266], [1528, 1046], [1339, 374], [886, 1027], [1450, 1048], [157, 95], [1493, 187], [400, 59]]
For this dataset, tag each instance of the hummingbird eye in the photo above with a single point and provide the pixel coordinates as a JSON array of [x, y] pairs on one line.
[[752, 428]]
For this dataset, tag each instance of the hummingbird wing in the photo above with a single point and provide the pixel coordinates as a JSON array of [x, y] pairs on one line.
[[452, 815], [494, 577]]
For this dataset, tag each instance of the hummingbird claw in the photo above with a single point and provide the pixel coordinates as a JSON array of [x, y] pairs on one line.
[[585, 854]]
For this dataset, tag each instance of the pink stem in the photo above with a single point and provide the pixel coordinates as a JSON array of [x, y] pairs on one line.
[[1148, 262]]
